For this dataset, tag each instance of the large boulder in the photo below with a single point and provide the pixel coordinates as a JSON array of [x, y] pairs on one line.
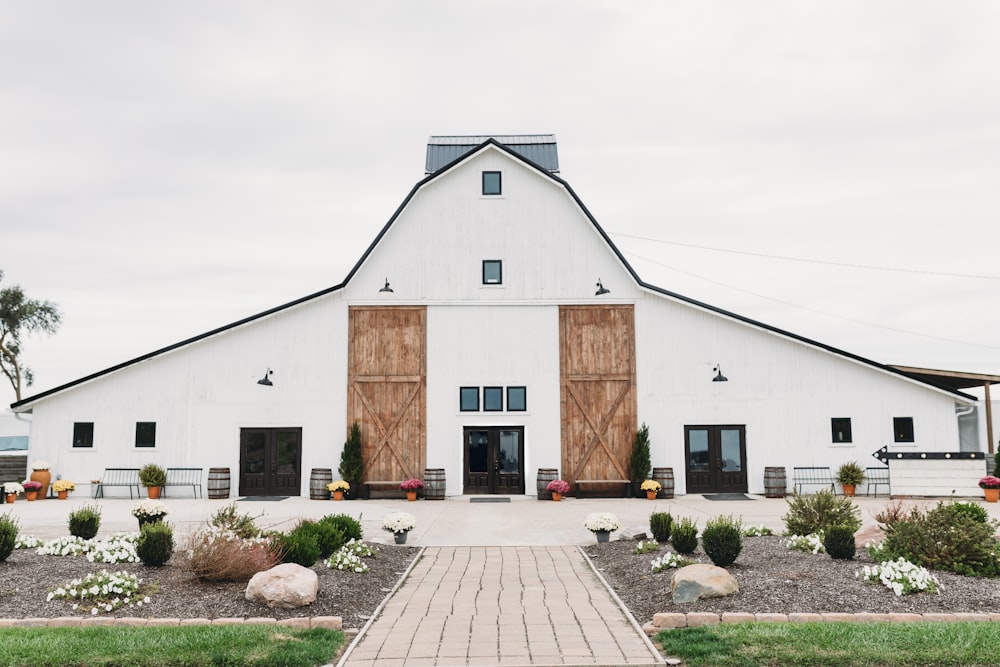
[[284, 586], [694, 582]]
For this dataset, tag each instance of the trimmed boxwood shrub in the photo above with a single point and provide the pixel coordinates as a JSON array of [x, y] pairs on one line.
[[684, 535], [8, 536], [722, 539], [839, 542], [299, 546], [660, 524], [85, 522], [156, 543]]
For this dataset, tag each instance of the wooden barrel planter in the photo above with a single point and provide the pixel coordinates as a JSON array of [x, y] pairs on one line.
[[546, 475], [218, 483], [434, 484], [775, 485], [318, 480], [665, 476]]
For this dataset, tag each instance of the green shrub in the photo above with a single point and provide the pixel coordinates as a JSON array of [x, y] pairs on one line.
[[722, 539], [351, 467], [299, 546], [639, 461], [156, 543], [839, 542], [8, 536], [946, 537], [152, 475], [659, 525], [227, 518], [85, 522], [973, 510], [684, 535], [817, 512], [348, 525], [329, 536]]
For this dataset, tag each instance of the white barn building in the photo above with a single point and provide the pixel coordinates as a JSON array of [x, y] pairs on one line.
[[492, 328]]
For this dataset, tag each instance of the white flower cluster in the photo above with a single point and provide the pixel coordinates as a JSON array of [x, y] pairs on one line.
[[27, 542], [601, 521], [12, 487], [40, 465], [812, 542], [148, 508], [349, 557], [398, 522], [667, 561], [757, 531], [901, 576], [119, 548], [102, 592]]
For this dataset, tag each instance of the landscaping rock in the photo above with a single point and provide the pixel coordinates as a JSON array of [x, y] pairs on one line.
[[284, 586], [694, 582]]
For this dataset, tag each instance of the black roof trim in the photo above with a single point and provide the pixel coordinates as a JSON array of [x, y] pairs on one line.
[[600, 230]]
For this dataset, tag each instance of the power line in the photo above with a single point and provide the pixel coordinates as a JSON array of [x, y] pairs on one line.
[[868, 267], [814, 310]]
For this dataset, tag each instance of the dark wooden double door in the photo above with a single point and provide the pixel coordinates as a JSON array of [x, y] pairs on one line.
[[270, 461], [494, 459], [716, 459]]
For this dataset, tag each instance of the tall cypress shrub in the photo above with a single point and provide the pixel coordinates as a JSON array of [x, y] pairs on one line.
[[351, 466], [639, 464]]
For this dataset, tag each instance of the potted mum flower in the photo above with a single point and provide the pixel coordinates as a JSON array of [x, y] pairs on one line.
[[651, 487], [399, 524], [411, 486], [11, 489], [991, 488], [149, 511], [31, 489], [338, 488], [62, 487], [557, 487], [601, 524]]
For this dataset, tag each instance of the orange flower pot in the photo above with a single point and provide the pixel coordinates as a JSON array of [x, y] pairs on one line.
[[556, 496], [31, 495], [651, 495], [10, 498], [63, 495], [991, 495], [411, 495], [338, 495], [153, 492]]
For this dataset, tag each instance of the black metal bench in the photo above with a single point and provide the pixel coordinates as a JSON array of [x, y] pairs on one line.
[[118, 477], [184, 477], [877, 477], [580, 483], [815, 476]]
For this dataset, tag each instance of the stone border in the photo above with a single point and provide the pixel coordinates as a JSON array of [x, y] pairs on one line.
[[694, 619], [304, 623]]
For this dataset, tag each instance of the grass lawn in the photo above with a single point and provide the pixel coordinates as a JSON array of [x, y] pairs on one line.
[[835, 644], [216, 645]]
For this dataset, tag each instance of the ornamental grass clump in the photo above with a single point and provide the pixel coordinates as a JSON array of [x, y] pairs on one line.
[[722, 540], [817, 512], [660, 524], [103, 592], [901, 577], [684, 535], [839, 543], [228, 519], [155, 545], [219, 554], [8, 536], [85, 522]]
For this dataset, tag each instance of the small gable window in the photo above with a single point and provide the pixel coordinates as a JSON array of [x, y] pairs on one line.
[[145, 434], [493, 399], [83, 434], [902, 428], [492, 272], [468, 399], [841, 427], [491, 183]]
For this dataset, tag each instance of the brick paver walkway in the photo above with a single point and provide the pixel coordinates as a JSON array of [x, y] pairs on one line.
[[485, 606]]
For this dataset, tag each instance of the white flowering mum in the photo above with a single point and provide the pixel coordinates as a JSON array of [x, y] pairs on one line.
[[40, 465], [398, 522], [901, 577], [149, 508], [601, 521]]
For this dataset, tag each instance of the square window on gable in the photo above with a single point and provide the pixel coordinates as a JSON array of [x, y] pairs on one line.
[[841, 427], [902, 429], [492, 272], [491, 183], [145, 434], [83, 434]]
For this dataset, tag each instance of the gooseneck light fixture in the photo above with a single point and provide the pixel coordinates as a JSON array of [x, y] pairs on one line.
[[719, 377], [601, 289], [386, 288], [266, 380]]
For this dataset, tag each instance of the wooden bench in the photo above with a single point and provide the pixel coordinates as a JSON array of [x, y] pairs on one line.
[[818, 476], [580, 483], [876, 477], [380, 486], [118, 477], [12, 469], [184, 477]]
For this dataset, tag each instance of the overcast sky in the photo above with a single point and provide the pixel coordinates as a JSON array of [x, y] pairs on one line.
[[170, 167]]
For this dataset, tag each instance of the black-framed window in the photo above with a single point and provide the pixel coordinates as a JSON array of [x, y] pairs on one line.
[[492, 272], [83, 434], [841, 429], [491, 183], [468, 399], [517, 399], [902, 429], [145, 434], [493, 399]]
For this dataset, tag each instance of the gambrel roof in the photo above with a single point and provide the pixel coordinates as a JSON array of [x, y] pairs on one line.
[[516, 151]]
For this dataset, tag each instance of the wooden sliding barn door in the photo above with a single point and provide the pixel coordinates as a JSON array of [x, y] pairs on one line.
[[387, 389], [597, 385]]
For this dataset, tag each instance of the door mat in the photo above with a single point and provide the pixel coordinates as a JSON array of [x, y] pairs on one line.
[[257, 499], [489, 500], [726, 496]]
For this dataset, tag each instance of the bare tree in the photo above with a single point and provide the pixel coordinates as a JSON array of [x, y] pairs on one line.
[[20, 316]]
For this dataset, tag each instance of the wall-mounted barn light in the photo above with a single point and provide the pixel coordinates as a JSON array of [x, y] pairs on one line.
[[719, 377], [386, 288], [266, 380], [601, 289]]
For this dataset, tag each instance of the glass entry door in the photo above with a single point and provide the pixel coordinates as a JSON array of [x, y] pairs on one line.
[[716, 459], [270, 461], [494, 459]]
